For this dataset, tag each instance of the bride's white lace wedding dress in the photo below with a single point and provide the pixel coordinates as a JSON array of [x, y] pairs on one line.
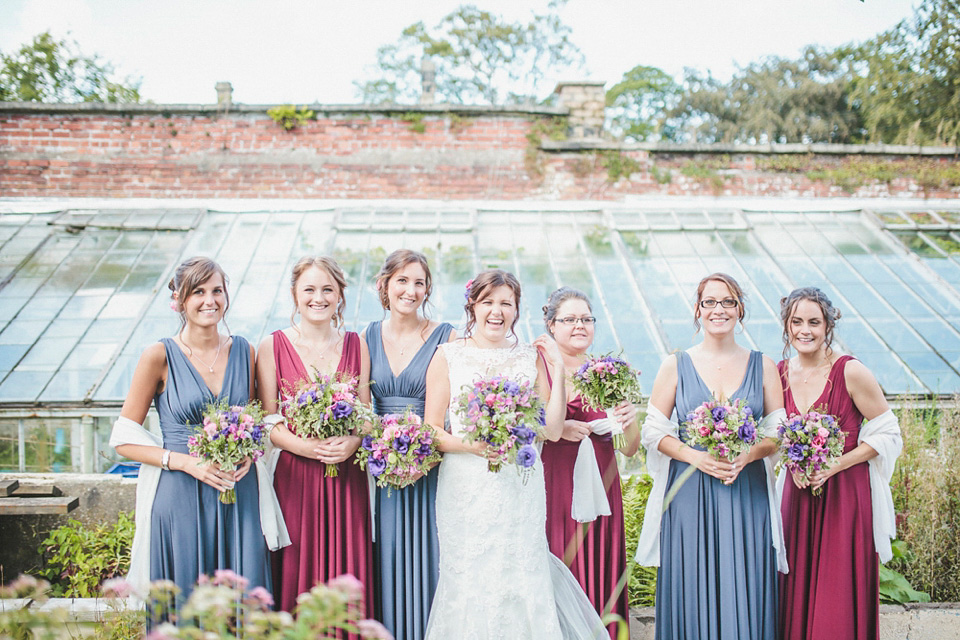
[[498, 578]]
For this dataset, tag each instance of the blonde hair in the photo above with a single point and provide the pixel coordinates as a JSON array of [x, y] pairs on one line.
[[481, 286], [332, 269], [190, 274], [732, 285]]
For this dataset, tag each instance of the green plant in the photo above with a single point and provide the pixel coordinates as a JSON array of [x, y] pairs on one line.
[[415, 120], [289, 117], [79, 558], [554, 128], [28, 622], [642, 586], [664, 176], [926, 491], [618, 165], [894, 587]]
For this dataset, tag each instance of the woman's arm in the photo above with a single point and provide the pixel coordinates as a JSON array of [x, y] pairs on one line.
[[772, 401], [148, 380], [554, 392], [663, 398], [438, 399]]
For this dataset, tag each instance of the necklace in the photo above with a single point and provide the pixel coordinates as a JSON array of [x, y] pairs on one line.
[[811, 372], [336, 336], [403, 347], [197, 358]]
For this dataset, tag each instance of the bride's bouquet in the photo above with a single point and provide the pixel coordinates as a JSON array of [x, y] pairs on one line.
[[228, 436], [725, 429], [603, 382], [399, 448], [504, 413], [809, 443], [325, 407]]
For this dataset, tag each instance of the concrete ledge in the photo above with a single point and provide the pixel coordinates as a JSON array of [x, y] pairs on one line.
[[916, 621], [752, 149]]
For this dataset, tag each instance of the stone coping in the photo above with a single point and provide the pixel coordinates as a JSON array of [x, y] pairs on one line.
[[599, 144]]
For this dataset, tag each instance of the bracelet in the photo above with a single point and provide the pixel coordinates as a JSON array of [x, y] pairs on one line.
[[165, 460]]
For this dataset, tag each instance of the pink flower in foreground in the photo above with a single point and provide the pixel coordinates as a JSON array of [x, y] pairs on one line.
[[348, 585], [262, 597], [373, 629], [116, 588]]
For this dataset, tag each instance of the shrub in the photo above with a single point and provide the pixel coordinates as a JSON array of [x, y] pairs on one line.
[[79, 558], [642, 588], [926, 490]]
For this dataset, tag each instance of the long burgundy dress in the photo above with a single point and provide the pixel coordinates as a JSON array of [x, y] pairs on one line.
[[328, 519], [832, 590], [594, 551]]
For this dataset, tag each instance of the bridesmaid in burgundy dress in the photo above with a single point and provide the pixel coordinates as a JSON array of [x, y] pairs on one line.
[[832, 588], [595, 550], [328, 519]]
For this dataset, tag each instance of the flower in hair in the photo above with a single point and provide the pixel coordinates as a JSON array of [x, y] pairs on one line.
[[174, 305], [466, 294]]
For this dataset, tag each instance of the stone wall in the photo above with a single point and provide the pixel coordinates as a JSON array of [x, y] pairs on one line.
[[421, 152]]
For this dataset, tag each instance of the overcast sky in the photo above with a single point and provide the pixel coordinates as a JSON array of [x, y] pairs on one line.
[[284, 51]]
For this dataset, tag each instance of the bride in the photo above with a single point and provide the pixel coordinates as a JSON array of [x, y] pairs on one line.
[[498, 578]]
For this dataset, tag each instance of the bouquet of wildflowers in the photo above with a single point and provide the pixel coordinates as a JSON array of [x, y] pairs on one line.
[[504, 413], [398, 449], [603, 382], [809, 443], [725, 429], [325, 407], [228, 436]]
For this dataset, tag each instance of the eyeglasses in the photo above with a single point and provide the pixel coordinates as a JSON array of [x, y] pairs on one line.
[[726, 303], [571, 320]]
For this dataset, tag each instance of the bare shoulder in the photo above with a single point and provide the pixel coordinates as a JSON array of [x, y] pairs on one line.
[[154, 356], [769, 366], [857, 375], [668, 368]]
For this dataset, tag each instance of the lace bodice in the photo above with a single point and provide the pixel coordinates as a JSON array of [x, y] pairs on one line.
[[466, 364]]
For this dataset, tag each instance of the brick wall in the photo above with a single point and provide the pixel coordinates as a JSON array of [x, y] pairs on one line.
[[366, 152]]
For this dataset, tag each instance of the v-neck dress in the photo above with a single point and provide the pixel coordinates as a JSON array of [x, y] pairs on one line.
[[406, 552], [832, 590], [328, 519], [718, 569], [192, 532]]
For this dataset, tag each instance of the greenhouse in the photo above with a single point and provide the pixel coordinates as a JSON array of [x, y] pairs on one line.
[[83, 290]]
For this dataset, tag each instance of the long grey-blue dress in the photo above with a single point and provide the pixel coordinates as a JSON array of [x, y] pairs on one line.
[[192, 532], [406, 553], [718, 571]]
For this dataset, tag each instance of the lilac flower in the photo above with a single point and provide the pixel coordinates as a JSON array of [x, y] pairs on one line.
[[796, 452], [401, 443], [511, 387], [747, 432], [367, 443], [424, 449], [718, 413], [524, 434], [376, 465], [342, 410], [526, 456]]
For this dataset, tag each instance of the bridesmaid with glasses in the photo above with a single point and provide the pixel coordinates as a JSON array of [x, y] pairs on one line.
[[591, 544]]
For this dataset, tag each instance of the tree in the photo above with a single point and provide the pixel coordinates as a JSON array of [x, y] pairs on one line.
[[638, 104], [51, 70], [777, 100], [479, 57]]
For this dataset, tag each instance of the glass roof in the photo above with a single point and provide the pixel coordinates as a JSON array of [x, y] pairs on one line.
[[82, 292]]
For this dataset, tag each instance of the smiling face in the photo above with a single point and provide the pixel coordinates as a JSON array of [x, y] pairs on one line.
[[495, 314], [573, 338], [719, 320], [407, 289], [316, 295], [808, 329], [206, 302]]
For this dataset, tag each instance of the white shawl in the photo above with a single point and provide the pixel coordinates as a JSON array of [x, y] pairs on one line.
[[656, 427], [126, 431]]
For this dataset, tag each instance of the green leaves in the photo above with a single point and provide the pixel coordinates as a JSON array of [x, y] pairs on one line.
[[79, 557], [51, 70], [894, 587]]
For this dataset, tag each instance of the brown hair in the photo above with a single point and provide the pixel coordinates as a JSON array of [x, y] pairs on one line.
[[556, 299], [734, 287], [396, 261], [481, 286], [190, 274], [788, 306], [332, 269]]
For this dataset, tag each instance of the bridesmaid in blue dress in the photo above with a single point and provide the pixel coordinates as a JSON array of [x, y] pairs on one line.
[[406, 560], [191, 532], [718, 565]]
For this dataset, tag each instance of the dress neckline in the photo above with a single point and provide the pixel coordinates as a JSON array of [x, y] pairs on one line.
[[396, 374], [743, 381], [827, 384], [196, 372], [302, 370]]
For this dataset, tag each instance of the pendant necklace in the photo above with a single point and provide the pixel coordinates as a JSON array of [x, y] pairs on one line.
[[402, 347], [197, 358], [335, 337]]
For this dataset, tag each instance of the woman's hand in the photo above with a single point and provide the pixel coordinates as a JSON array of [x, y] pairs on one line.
[[547, 346], [575, 430], [738, 464], [818, 479], [207, 473], [799, 480], [625, 413], [337, 449], [242, 469], [719, 469]]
